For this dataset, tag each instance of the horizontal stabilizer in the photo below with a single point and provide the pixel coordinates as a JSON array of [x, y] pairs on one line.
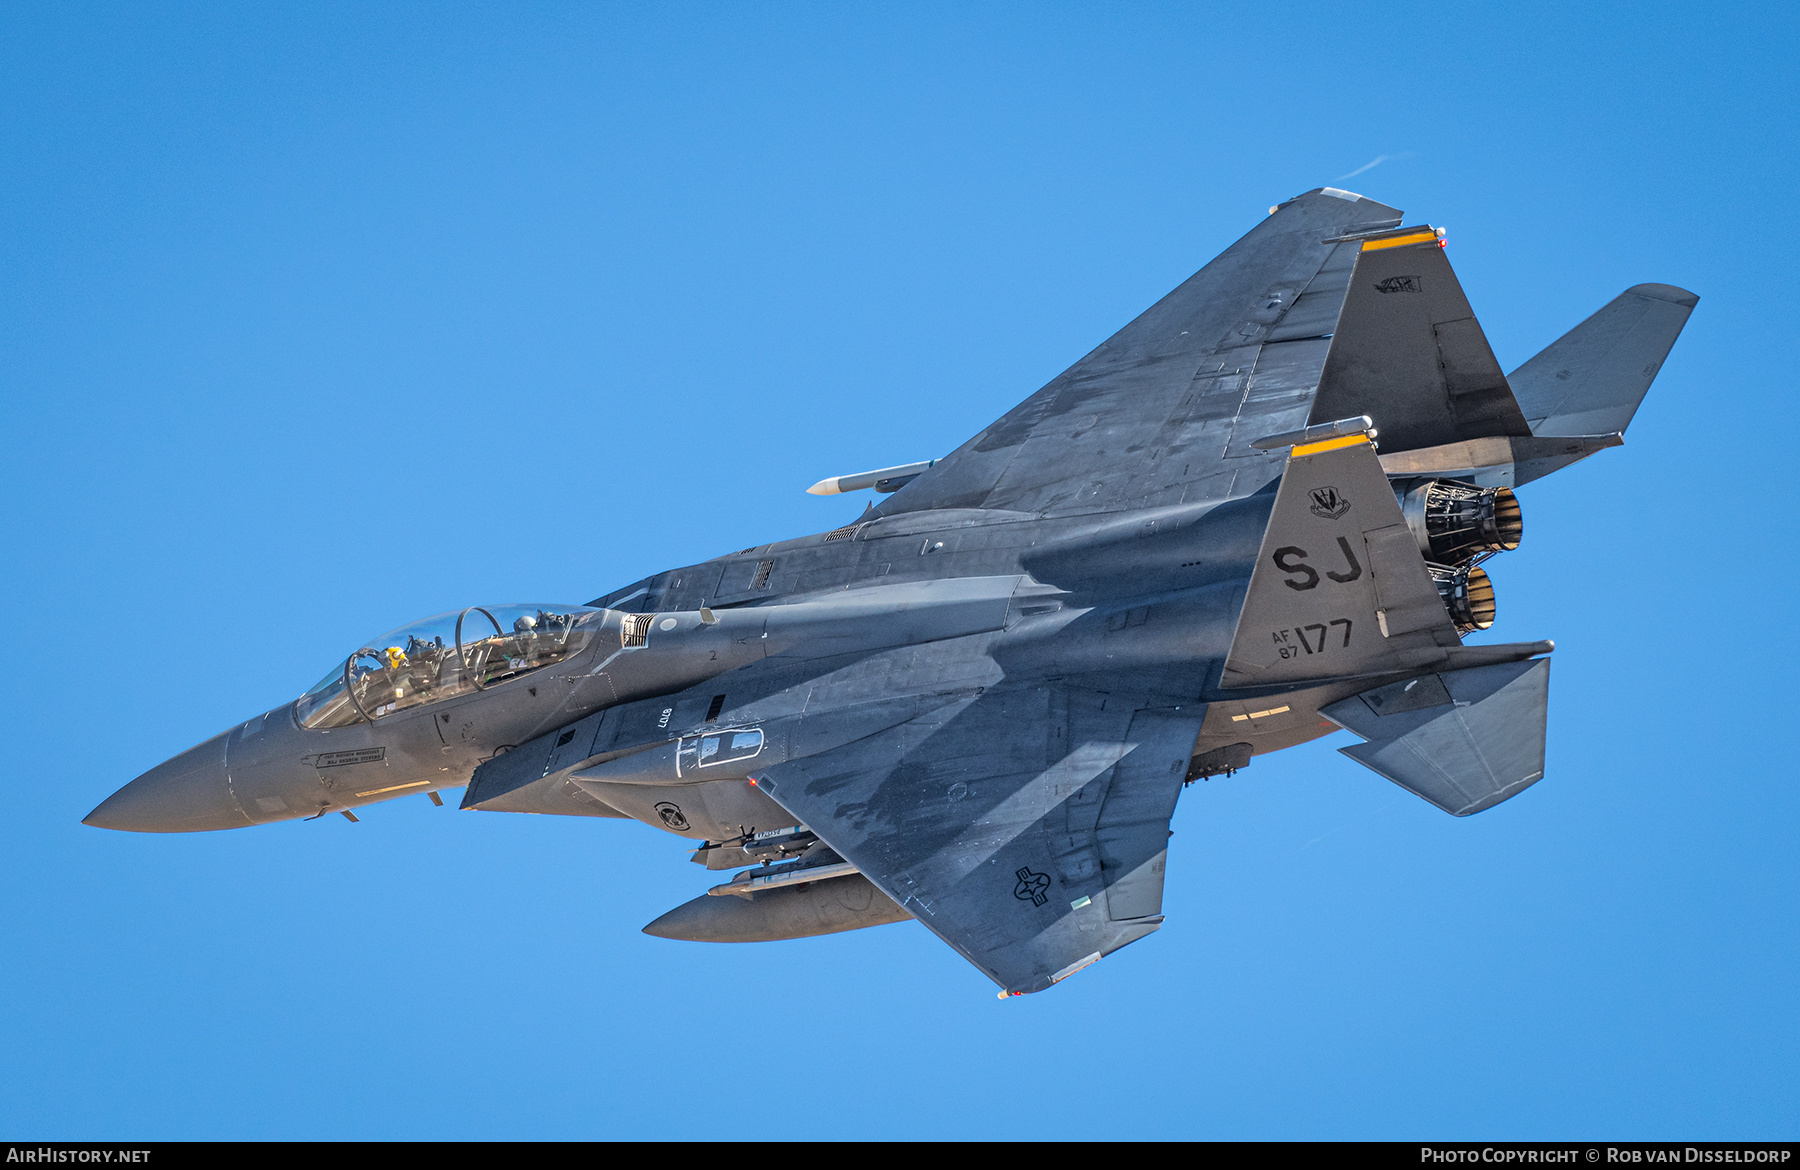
[[1499, 461], [1409, 353], [1590, 381], [1464, 740]]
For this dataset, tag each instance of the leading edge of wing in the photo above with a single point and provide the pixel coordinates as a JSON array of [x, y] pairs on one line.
[[1126, 415]]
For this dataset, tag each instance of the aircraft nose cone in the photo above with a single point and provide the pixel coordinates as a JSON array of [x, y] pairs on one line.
[[187, 794]]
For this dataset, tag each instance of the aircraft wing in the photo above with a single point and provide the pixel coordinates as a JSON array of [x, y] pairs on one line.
[[1166, 409], [1026, 827]]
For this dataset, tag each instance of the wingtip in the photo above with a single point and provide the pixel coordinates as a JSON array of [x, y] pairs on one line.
[[1341, 209], [1332, 192], [1672, 293]]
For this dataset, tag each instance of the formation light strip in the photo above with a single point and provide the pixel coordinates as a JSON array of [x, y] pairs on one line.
[[394, 788]]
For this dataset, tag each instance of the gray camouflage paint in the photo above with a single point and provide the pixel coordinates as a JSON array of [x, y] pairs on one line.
[[984, 697]]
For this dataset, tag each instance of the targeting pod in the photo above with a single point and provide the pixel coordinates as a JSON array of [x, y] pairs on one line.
[[1455, 522], [1468, 594]]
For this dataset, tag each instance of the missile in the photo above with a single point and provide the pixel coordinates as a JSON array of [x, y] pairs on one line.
[[888, 479]]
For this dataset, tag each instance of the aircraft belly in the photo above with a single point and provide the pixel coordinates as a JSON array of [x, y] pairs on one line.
[[1268, 724], [714, 810]]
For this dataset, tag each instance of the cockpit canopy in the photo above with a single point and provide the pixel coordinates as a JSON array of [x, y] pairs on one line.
[[445, 656]]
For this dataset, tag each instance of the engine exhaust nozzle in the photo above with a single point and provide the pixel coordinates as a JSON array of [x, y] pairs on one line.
[[1455, 522], [1468, 594]]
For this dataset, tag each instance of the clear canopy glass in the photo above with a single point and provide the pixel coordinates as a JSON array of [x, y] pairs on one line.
[[444, 656]]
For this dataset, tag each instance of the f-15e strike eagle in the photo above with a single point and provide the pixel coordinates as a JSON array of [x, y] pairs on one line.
[[1254, 515]]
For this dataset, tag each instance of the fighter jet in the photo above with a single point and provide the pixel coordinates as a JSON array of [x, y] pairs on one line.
[[1255, 515]]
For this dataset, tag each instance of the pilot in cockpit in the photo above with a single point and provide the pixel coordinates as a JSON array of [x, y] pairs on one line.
[[420, 664], [410, 671], [424, 662]]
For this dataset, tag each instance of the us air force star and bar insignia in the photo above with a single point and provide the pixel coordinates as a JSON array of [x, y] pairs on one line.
[[1031, 887]]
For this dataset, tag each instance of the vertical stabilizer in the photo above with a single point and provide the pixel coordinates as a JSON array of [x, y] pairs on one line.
[[1409, 353], [1340, 587]]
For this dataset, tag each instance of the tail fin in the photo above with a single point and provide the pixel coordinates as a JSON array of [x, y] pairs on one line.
[[1408, 352], [1340, 587], [1590, 381]]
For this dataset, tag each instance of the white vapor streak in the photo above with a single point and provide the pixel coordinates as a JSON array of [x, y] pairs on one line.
[[1368, 166]]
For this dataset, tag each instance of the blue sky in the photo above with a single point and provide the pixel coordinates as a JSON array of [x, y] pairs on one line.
[[320, 318]]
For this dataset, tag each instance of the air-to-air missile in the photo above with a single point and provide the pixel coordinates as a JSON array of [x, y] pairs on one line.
[[1256, 515]]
